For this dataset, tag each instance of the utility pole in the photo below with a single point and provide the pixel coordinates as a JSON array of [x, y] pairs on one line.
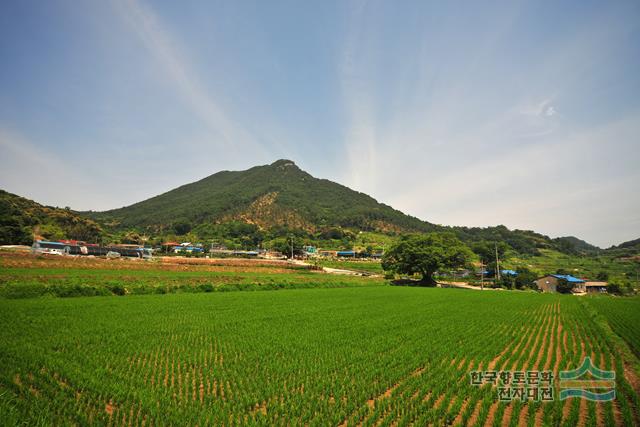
[[481, 275], [497, 263], [291, 239]]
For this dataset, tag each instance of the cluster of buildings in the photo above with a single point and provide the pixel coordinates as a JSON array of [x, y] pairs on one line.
[[76, 247], [549, 283], [187, 247], [339, 254], [198, 248], [307, 251]]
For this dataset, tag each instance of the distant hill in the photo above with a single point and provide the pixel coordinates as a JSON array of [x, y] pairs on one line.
[[521, 241], [21, 218], [245, 208], [626, 249], [282, 195], [275, 195], [573, 245], [629, 244]]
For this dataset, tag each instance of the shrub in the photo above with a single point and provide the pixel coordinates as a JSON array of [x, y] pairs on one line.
[[118, 290], [207, 287], [614, 289], [78, 291], [20, 290]]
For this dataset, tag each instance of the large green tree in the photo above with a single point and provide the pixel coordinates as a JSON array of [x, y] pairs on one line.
[[284, 245], [424, 254], [486, 251]]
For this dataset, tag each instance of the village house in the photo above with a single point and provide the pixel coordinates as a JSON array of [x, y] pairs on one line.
[[549, 283], [325, 253], [595, 287]]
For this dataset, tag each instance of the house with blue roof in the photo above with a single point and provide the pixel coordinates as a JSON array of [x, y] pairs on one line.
[[549, 283], [346, 254]]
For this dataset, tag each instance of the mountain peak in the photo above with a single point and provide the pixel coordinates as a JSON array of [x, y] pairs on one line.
[[283, 163], [279, 194]]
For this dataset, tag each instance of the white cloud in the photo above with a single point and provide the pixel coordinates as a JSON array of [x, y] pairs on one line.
[[460, 155], [537, 108], [581, 184], [360, 138], [231, 136]]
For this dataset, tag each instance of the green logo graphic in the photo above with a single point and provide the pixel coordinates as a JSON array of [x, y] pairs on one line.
[[596, 385]]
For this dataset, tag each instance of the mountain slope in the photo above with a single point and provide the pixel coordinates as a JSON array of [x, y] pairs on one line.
[[21, 218], [521, 241], [251, 206], [570, 244], [626, 249], [269, 196], [281, 195]]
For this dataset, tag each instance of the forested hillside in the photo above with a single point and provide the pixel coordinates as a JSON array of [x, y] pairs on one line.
[[270, 201], [275, 195], [626, 249], [21, 219], [264, 207]]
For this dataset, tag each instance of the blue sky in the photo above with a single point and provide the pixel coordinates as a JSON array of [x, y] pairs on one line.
[[523, 113]]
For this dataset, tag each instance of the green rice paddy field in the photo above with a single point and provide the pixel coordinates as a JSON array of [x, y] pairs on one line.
[[365, 355]]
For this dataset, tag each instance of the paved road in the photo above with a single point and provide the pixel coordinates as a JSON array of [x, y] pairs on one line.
[[464, 285], [337, 270]]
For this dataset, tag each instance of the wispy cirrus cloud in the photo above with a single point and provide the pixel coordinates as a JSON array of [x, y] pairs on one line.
[[361, 135], [164, 47], [442, 111], [459, 133]]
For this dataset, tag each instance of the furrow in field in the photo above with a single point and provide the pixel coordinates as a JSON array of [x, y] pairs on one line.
[[506, 416], [458, 419], [523, 416], [491, 414]]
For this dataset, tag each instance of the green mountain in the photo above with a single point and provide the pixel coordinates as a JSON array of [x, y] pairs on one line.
[[275, 195], [573, 245], [21, 219], [247, 208], [281, 195], [626, 249], [524, 242]]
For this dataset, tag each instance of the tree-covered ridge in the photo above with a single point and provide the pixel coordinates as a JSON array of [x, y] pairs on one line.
[[21, 219], [525, 241], [521, 241], [626, 249], [576, 246], [279, 200], [281, 197], [266, 206], [281, 192]]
